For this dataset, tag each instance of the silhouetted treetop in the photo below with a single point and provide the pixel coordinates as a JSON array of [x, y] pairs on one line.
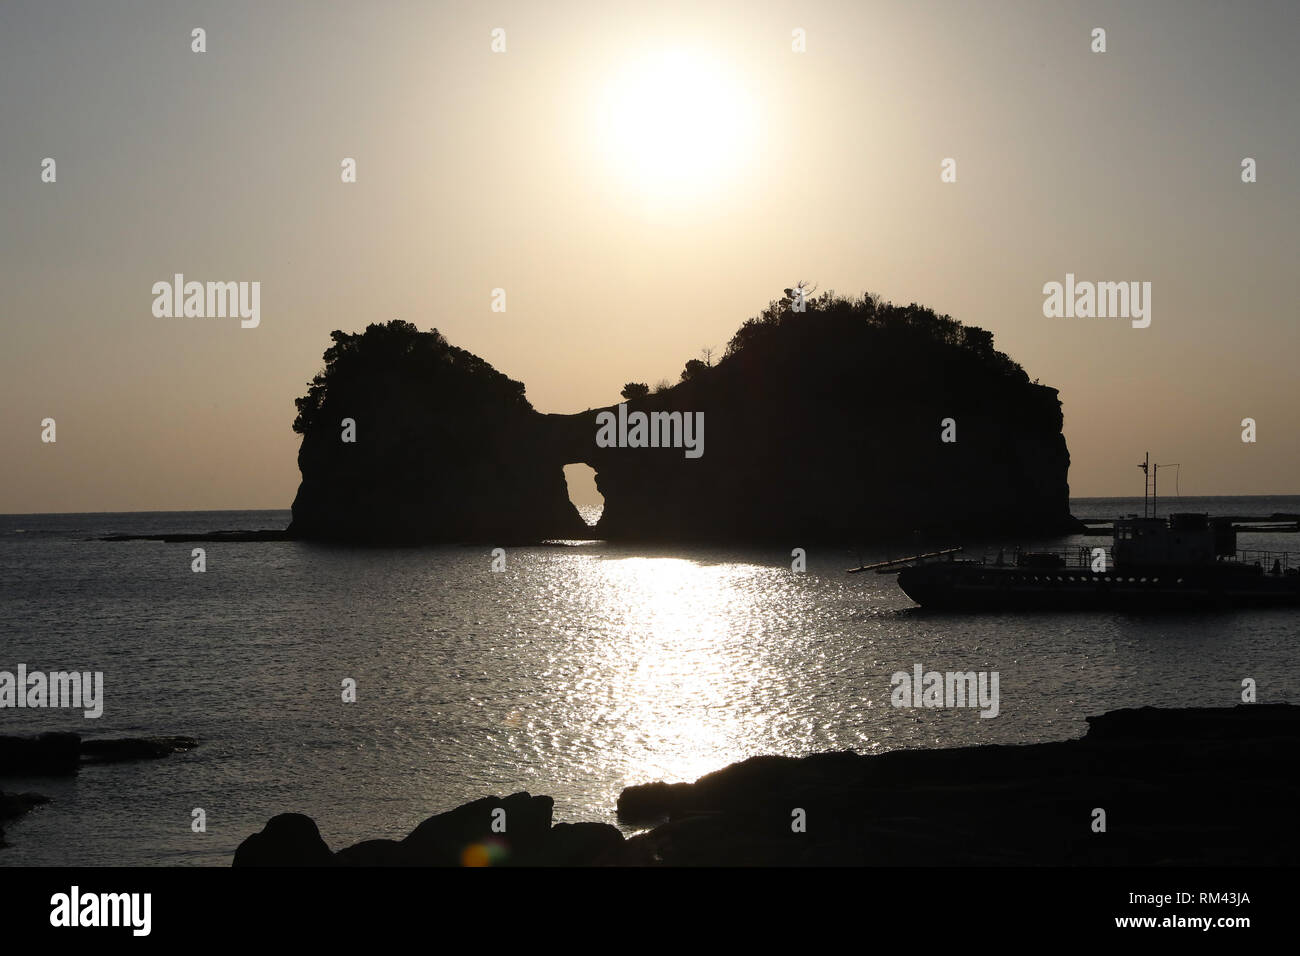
[[694, 368], [397, 367], [841, 326]]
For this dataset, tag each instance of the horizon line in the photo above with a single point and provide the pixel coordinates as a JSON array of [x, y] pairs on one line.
[[181, 511]]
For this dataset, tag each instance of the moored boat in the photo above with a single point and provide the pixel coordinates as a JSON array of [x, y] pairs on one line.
[[1184, 560]]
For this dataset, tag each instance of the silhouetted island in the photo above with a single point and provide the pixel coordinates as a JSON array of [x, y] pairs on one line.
[[1198, 786], [825, 424]]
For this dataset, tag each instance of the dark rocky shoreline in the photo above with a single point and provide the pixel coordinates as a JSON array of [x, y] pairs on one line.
[[14, 805], [216, 537], [1193, 787], [63, 755]]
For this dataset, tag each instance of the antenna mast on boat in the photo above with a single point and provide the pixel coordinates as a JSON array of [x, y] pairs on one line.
[[1146, 482], [1150, 474], [1155, 471]]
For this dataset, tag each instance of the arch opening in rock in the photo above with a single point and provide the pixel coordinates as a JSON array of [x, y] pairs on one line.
[[581, 479]]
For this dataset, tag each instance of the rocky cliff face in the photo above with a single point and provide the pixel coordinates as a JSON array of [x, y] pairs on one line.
[[830, 425], [444, 448], [849, 421]]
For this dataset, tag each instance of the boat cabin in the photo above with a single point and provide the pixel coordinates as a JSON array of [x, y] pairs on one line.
[[1179, 539]]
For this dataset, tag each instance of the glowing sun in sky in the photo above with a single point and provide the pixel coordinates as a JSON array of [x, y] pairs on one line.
[[676, 123]]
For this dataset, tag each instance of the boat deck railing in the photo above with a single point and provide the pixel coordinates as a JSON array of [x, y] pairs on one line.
[[1272, 562], [1080, 557]]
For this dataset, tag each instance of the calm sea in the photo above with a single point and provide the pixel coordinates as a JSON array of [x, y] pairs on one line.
[[580, 669]]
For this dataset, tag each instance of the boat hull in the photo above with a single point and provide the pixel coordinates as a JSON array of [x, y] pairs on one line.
[[963, 585]]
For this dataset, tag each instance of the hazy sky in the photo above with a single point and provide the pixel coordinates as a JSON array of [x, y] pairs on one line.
[[639, 178]]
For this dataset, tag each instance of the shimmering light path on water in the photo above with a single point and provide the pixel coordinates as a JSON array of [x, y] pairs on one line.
[[580, 669]]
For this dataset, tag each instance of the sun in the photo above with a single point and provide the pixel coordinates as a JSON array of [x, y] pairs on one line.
[[676, 123]]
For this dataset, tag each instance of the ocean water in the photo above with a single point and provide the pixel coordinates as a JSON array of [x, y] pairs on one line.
[[582, 668]]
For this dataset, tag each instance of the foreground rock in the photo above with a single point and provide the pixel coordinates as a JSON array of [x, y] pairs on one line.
[[47, 755], [13, 805], [290, 839], [63, 754], [515, 831], [134, 748], [1210, 786], [1205, 786]]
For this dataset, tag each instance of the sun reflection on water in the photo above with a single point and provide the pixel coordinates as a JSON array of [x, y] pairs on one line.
[[677, 662]]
